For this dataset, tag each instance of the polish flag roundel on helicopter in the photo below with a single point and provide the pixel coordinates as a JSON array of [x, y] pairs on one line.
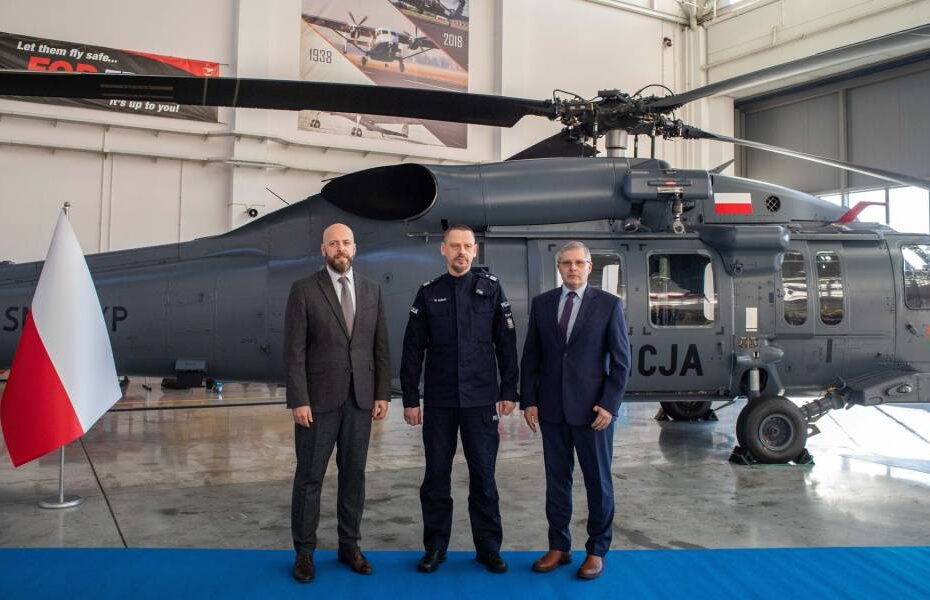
[[63, 377], [734, 203]]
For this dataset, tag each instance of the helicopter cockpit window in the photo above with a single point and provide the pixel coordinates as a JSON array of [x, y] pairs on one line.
[[606, 274], [681, 290], [916, 276], [830, 288], [794, 288]]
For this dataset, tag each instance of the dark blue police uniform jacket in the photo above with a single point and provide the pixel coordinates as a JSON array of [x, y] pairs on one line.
[[564, 380], [462, 324]]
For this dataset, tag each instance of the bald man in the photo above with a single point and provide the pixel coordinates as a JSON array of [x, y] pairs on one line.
[[338, 381]]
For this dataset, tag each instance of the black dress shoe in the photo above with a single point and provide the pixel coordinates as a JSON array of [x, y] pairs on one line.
[[493, 562], [356, 560], [431, 561], [303, 568]]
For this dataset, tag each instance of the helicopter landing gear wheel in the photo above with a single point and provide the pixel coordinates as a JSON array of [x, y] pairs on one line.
[[315, 123], [772, 429], [687, 411]]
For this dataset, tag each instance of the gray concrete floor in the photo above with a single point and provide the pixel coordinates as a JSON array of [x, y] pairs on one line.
[[161, 472]]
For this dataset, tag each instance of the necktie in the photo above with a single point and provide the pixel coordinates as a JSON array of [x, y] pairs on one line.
[[348, 308], [566, 315]]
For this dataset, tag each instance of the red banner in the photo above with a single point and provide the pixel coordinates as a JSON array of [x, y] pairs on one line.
[[22, 52]]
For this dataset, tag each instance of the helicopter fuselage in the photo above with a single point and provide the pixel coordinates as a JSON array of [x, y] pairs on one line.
[[778, 290]]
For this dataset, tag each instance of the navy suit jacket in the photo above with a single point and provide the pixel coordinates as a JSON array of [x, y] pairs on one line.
[[564, 380]]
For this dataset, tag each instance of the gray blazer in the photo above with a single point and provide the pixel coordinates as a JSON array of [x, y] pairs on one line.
[[320, 358]]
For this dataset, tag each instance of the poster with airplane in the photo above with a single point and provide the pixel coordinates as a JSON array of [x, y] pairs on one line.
[[404, 43]]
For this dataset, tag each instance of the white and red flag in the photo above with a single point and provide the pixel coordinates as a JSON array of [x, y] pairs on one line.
[[732, 203], [63, 378]]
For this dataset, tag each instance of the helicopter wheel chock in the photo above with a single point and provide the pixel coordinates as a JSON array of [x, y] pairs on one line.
[[688, 411], [772, 430]]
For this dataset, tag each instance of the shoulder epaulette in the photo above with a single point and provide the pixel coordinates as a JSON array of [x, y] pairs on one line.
[[486, 275], [431, 281]]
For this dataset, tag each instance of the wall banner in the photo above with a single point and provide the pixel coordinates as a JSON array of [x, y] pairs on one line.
[[23, 52], [402, 43]]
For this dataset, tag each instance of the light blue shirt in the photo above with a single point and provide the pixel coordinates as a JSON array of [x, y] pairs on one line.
[[576, 306]]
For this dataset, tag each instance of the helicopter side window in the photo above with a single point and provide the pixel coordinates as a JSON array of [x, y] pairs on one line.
[[606, 274], [830, 288], [681, 290], [916, 276], [794, 288]]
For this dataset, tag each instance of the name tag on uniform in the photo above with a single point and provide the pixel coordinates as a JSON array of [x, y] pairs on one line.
[[440, 299]]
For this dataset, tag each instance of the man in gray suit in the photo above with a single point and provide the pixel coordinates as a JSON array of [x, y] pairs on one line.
[[338, 380]]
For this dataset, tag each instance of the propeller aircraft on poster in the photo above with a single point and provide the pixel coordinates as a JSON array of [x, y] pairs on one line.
[[379, 44]]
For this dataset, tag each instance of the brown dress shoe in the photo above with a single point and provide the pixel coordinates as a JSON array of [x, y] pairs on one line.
[[551, 560], [591, 568], [356, 561], [303, 568]]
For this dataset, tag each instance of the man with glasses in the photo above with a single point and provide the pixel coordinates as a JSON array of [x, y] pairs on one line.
[[575, 365]]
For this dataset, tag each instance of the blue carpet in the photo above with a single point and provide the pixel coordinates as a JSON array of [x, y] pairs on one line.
[[848, 573]]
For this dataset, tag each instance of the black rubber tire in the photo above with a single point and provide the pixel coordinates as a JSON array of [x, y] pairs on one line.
[[687, 411], [773, 430], [741, 425]]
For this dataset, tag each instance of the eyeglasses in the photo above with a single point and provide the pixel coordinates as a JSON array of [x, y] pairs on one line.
[[578, 263]]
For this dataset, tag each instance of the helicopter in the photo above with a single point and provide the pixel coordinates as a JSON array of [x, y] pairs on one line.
[[731, 287]]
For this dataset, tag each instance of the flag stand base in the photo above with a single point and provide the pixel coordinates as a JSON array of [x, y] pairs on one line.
[[57, 503], [61, 501]]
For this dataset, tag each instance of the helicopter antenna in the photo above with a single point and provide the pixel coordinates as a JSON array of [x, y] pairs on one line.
[[277, 196]]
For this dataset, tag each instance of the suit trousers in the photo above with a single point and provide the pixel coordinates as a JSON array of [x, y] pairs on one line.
[[348, 429], [480, 441], [595, 451]]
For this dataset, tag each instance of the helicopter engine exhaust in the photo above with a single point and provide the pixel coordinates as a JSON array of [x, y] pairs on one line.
[[509, 193]]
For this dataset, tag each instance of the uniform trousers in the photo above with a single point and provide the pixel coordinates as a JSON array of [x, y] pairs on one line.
[[595, 451], [480, 441], [348, 429]]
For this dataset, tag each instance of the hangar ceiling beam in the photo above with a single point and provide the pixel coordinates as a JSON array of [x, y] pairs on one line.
[[642, 10]]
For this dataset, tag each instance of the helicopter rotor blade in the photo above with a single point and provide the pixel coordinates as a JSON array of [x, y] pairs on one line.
[[458, 107], [899, 178], [916, 38]]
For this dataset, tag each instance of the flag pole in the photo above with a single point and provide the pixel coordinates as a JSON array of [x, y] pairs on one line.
[[61, 501]]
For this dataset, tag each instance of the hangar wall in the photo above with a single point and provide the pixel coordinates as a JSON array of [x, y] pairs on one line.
[[135, 180]]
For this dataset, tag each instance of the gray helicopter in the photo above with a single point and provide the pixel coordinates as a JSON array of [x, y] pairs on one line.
[[732, 287]]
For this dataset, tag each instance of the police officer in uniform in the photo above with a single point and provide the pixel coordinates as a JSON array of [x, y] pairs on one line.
[[463, 324]]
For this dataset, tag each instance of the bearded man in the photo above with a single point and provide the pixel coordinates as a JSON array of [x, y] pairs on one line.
[[338, 381]]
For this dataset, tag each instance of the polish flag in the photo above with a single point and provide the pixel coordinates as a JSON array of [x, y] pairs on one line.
[[732, 203], [63, 378]]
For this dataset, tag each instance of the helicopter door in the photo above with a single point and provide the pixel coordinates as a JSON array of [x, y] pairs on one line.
[[681, 340], [912, 275]]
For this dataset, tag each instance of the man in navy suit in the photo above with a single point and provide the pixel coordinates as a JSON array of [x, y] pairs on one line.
[[574, 369]]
